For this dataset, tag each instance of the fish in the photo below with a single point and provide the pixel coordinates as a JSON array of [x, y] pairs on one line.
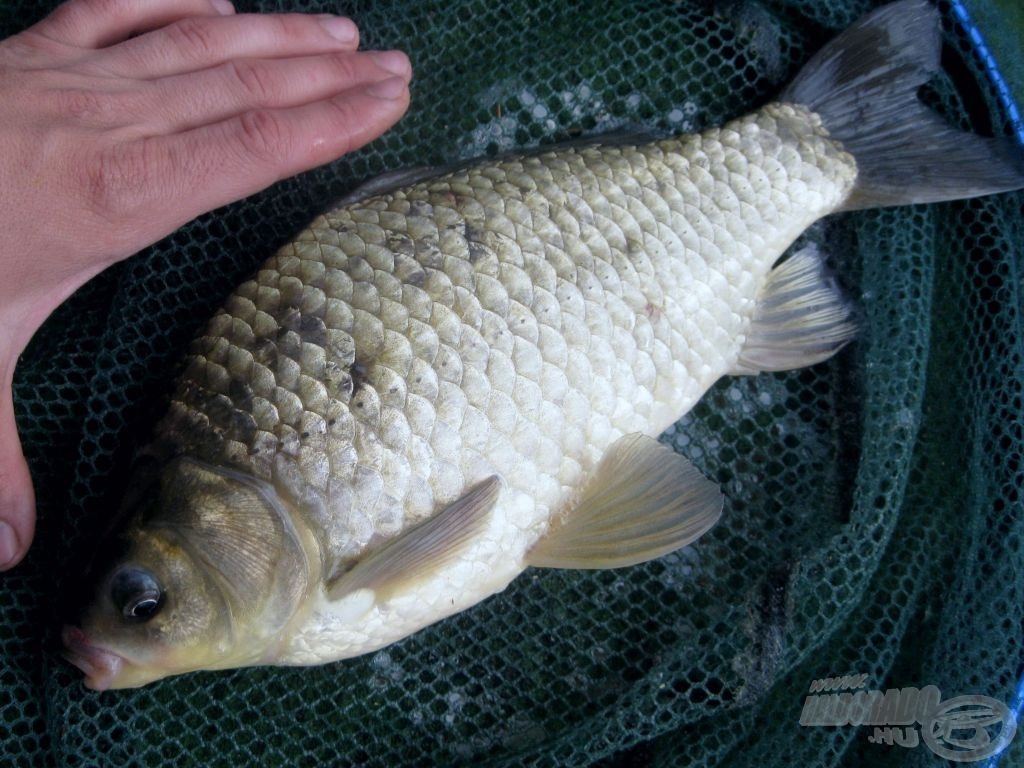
[[458, 374]]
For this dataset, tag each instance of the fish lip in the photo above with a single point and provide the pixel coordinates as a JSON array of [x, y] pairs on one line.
[[101, 667]]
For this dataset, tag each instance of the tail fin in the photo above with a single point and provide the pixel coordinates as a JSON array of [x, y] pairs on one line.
[[864, 85]]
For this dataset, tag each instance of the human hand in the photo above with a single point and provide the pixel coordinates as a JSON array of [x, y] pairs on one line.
[[120, 120]]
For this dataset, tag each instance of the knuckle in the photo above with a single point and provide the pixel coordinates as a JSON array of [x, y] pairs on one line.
[[107, 8], [118, 9], [263, 135], [117, 179], [79, 10], [345, 67], [193, 37], [280, 26], [25, 46], [287, 26], [72, 16], [343, 117], [253, 79], [342, 111], [82, 105]]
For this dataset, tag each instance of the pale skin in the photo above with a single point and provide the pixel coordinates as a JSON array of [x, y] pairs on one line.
[[121, 120]]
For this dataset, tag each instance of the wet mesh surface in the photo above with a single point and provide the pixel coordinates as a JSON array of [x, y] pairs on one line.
[[873, 514]]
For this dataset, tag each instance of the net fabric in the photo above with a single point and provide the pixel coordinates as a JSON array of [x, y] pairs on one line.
[[871, 522]]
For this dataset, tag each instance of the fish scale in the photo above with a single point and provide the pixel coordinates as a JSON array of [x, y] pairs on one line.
[[515, 318]]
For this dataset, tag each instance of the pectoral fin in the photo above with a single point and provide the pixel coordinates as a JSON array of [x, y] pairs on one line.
[[427, 547], [644, 501], [801, 318]]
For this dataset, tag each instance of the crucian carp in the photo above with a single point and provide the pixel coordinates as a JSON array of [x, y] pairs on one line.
[[457, 374]]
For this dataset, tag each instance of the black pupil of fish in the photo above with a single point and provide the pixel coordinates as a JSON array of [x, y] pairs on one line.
[[136, 594]]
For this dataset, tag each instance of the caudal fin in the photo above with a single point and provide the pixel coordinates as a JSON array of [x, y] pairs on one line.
[[864, 85]]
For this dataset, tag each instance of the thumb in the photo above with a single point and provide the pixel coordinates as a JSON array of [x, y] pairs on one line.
[[17, 500]]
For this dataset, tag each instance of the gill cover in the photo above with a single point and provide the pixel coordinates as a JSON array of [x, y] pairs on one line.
[[237, 527]]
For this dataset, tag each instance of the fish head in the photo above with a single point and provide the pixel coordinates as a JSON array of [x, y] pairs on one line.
[[207, 575]]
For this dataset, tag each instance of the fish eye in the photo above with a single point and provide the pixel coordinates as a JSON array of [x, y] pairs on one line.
[[136, 593]]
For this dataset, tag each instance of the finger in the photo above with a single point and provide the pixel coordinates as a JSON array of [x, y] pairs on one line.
[[99, 23], [17, 501], [253, 150], [183, 102], [194, 44], [151, 186]]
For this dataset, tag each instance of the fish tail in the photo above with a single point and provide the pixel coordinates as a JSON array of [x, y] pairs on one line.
[[864, 86]]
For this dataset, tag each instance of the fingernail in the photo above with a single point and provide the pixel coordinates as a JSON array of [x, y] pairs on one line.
[[8, 546], [389, 89], [223, 7], [395, 62], [341, 29]]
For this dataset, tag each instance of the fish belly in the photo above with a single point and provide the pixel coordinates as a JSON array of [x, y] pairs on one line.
[[514, 318]]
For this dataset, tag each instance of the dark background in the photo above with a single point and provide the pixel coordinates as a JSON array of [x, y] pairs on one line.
[[872, 522]]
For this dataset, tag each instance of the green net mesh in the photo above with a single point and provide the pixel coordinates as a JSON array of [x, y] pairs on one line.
[[873, 517]]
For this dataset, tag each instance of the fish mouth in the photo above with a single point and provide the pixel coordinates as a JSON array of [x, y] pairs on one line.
[[101, 667]]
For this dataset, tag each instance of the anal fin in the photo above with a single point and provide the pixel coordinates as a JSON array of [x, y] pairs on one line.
[[643, 502], [423, 549], [802, 317]]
